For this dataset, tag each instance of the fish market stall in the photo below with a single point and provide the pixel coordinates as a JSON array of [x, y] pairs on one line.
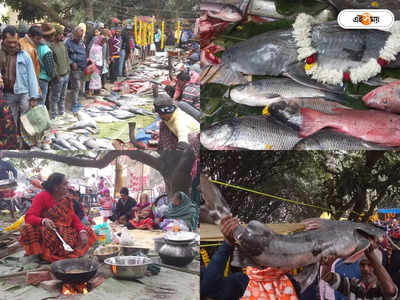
[[277, 75], [106, 118]]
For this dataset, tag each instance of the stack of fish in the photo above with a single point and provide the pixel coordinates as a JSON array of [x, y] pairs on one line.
[[299, 111]]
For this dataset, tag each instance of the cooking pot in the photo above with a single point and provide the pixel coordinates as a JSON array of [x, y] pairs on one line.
[[178, 253], [74, 270]]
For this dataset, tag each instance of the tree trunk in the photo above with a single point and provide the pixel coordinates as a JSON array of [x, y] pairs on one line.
[[89, 9], [174, 166], [118, 177]]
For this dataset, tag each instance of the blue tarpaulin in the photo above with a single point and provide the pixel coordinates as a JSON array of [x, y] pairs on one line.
[[389, 210]]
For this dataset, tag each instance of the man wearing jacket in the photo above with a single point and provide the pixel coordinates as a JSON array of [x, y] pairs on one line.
[[18, 78], [46, 59], [77, 56], [60, 84], [29, 44]]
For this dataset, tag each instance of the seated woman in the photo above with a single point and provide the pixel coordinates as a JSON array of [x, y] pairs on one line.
[[52, 209], [143, 214], [182, 208]]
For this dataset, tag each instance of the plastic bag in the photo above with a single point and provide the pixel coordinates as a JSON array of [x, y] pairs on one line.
[[126, 239], [36, 120], [175, 225], [102, 230]]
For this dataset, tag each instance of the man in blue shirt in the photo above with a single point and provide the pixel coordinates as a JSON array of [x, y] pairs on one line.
[[18, 77], [157, 39], [77, 55]]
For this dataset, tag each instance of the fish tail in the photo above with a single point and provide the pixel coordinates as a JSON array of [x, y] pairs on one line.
[[312, 121]]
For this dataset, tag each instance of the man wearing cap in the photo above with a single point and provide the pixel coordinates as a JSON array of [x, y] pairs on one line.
[[375, 282], [177, 129], [115, 44], [77, 56], [46, 58], [29, 44], [60, 84], [22, 30]]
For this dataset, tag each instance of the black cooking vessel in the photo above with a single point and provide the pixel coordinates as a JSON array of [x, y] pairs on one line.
[[61, 268]]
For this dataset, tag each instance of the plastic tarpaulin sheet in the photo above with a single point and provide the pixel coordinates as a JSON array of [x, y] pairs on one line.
[[389, 210]]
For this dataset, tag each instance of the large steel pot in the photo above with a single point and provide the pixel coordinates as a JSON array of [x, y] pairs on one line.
[[178, 253], [128, 267]]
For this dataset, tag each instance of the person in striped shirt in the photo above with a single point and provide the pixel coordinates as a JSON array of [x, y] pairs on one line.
[[375, 282]]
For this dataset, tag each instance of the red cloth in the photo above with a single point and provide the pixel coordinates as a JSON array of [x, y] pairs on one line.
[[41, 203]]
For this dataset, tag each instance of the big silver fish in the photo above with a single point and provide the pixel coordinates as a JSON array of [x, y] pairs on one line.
[[251, 132], [274, 53], [331, 140], [266, 91]]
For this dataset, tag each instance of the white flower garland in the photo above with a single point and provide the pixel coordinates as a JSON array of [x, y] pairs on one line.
[[302, 34]]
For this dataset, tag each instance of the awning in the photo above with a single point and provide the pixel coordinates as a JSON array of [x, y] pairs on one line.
[[389, 210]]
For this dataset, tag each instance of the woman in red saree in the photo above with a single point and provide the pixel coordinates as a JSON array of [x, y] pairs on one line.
[[50, 209], [143, 214]]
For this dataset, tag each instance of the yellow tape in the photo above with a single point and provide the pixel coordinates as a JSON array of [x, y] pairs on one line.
[[211, 245], [273, 196]]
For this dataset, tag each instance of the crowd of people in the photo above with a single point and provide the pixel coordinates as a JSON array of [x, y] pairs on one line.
[[40, 63], [59, 206], [375, 275]]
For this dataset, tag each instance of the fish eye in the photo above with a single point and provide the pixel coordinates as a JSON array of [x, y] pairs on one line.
[[385, 101]]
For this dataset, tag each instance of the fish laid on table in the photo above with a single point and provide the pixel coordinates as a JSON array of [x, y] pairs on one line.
[[251, 132], [386, 97], [78, 145], [373, 126], [274, 53], [326, 139], [266, 91], [122, 114], [83, 124], [267, 8], [63, 143], [140, 111], [225, 12]]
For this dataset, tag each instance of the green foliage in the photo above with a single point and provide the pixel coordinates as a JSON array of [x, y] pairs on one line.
[[288, 7], [341, 181]]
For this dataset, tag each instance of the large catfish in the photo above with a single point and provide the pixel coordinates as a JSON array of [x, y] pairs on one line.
[[275, 52], [260, 247]]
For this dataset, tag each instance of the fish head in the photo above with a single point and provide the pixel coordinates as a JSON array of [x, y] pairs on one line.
[[228, 13], [370, 231], [288, 113], [217, 136]]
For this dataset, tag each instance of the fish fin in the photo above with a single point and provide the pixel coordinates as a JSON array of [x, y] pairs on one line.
[[312, 122], [297, 73], [307, 276]]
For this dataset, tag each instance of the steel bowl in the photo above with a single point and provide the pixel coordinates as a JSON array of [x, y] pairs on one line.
[[104, 252], [128, 267]]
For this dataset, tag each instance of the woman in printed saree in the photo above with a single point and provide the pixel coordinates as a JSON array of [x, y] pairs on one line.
[[143, 214], [182, 208], [52, 209]]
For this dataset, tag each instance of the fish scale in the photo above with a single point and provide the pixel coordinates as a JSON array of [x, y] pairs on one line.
[[251, 132]]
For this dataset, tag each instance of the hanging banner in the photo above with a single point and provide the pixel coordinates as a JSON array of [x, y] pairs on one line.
[[135, 33], [140, 33], [162, 34], [178, 32]]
